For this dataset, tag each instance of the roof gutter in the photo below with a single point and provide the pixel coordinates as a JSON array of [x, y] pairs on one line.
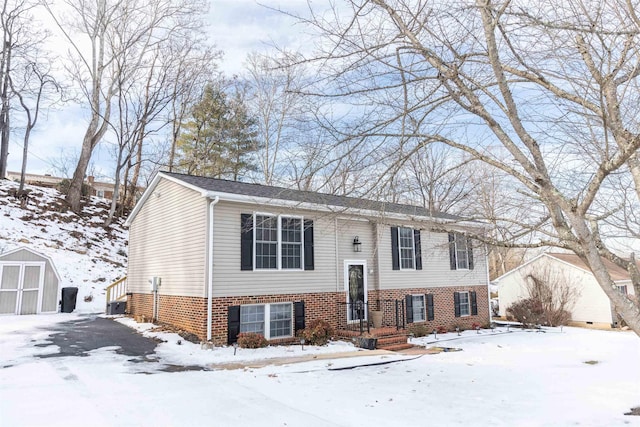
[[212, 204], [240, 198]]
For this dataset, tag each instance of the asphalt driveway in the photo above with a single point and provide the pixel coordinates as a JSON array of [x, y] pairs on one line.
[[79, 337]]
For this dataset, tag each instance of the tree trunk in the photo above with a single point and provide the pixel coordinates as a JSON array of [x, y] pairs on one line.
[[74, 197], [4, 111]]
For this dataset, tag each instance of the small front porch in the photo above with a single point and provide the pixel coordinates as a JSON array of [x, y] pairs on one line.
[[377, 325]]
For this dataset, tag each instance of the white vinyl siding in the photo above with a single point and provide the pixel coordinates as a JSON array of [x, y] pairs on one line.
[[436, 271], [168, 239], [592, 305], [230, 280]]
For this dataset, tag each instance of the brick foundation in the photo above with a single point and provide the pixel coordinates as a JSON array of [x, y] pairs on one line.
[[189, 313], [444, 313]]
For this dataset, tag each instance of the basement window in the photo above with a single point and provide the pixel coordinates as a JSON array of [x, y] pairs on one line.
[[269, 320]]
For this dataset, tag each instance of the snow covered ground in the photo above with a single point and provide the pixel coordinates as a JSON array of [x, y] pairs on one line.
[[86, 255], [499, 378]]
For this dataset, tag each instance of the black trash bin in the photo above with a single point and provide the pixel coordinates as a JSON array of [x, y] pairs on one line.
[[68, 303]]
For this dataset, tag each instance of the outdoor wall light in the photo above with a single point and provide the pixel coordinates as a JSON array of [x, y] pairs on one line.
[[357, 245]]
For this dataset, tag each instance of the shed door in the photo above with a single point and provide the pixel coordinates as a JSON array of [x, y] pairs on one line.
[[20, 288]]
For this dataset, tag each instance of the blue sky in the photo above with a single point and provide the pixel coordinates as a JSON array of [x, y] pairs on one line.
[[237, 27]]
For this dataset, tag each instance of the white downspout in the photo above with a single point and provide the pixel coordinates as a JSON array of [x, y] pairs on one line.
[[338, 288], [215, 200], [486, 263]]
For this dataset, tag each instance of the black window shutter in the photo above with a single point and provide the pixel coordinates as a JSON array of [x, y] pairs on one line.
[[298, 314], [470, 253], [418, 249], [233, 324], [456, 303], [246, 242], [308, 245], [430, 313], [452, 251], [395, 255], [409, 302], [474, 303]]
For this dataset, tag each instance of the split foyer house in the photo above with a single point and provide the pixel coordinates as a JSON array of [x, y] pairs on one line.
[[592, 306], [217, 258]]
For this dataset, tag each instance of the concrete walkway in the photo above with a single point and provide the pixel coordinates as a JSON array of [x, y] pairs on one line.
[[404, 355]]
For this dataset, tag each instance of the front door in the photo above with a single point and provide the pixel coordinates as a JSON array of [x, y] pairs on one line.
[[356, 289], [20, 286]]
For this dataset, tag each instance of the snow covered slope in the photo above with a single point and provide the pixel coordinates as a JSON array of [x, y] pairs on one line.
[[86, 254]]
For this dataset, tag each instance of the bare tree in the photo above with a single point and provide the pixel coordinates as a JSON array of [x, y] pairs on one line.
[[113, 29], [275, 102], [20, 45], [36, 82], [548, 95], [195, 66]]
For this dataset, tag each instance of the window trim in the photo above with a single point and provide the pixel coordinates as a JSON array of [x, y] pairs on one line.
[[424, 308], [454, 238], [412, 247], [467, 304], [267, 319], [457, 238], [279, 218]]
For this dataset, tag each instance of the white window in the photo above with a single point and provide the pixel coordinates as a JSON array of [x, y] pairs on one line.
[[461, 252], [270, 320], [266, 241], [100, 193], [278, 242], [406, 246], [419, 312], [465, 305], [280, 320], [252, 319], [291, 246], [622, 289]]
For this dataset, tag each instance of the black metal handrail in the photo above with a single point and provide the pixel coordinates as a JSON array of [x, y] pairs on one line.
[[354, 316]]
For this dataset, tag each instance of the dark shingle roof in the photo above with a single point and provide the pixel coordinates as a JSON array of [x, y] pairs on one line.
[[268, 192]]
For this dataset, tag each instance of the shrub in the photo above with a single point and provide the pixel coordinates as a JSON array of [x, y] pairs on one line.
[[252, 340], [557, 317], [419, 330], [475, 326], [528, 311], [442, 329], [317, 332], [65, 184]]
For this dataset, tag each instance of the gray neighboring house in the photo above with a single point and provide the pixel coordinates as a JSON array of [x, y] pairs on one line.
[[29, 283]]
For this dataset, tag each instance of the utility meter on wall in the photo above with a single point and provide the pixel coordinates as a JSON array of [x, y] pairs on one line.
[[155, 282]]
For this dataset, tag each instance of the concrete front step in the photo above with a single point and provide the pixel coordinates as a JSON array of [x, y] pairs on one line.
[[391, 340]]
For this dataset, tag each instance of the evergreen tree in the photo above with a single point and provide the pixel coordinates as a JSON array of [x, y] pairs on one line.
[[219, 138]]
